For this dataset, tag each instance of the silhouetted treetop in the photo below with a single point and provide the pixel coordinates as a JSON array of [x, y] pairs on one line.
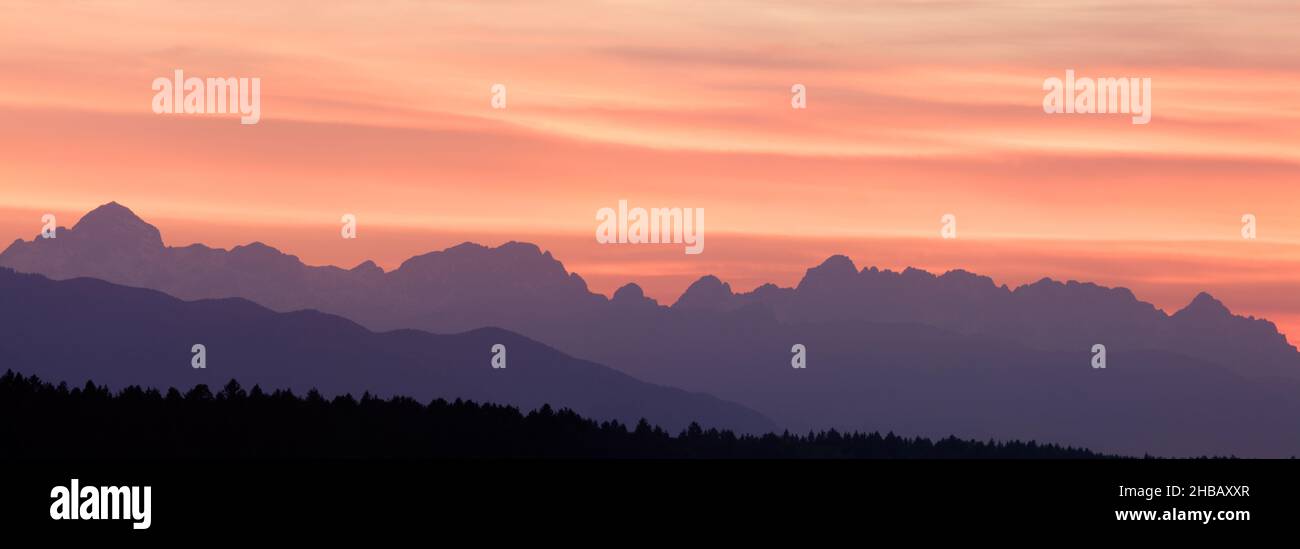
[[48, 421]]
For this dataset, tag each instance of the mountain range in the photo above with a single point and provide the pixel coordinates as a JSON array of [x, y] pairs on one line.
[[907, 351], [90, 330]]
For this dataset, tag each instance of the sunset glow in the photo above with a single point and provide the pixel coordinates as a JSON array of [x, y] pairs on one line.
[[915, 110]]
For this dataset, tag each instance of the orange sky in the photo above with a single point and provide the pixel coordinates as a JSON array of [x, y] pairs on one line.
[[915, 109]]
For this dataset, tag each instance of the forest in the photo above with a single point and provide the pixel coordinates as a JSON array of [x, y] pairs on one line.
[[48, 421]]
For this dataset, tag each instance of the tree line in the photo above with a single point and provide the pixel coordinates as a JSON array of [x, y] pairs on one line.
[[43, 420]]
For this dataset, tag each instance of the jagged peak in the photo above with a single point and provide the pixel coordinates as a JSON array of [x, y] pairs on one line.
[[963, 274], [256, 247], [113, 221], [367, 266], [260, 252], [837, 263], [524, 247], [1204, 304], [463, 247], [962, 278], [913, 272], [835, 268], [707, 292], [110, 212], [709, 283], [512, 247], [576, 279], [1038, 285]]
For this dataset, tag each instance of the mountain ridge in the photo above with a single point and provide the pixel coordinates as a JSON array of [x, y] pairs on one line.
[[145, 337], [519, 286], [116, 216], [909, 351]]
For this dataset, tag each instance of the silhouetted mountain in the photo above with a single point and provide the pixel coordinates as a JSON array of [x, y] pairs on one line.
[[1046, 315], [909, 351], [926, 381], [464, 287], [519, 287], [707, 293], [83, 328], [631, 295]]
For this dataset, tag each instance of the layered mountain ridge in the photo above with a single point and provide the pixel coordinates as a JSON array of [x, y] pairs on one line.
[[520, 287], [86, 329], [910, 351]]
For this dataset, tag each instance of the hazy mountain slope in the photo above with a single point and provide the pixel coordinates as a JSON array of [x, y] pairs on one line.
[[517, 286], [81, 329], [908, 351]]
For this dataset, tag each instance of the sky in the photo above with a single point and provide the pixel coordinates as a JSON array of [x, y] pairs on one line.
[[914, 110]]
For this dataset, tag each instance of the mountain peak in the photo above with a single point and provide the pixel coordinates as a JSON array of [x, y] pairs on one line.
[[111, 212], [629, 292], [368, 267], [915, 273], [836, 265], [522, 248], [832, 272], [259, 249], [116, 222], [706, 293], [1204, 305]]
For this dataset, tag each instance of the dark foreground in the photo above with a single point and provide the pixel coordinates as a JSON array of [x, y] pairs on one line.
[[92, 421], [246, 463]]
